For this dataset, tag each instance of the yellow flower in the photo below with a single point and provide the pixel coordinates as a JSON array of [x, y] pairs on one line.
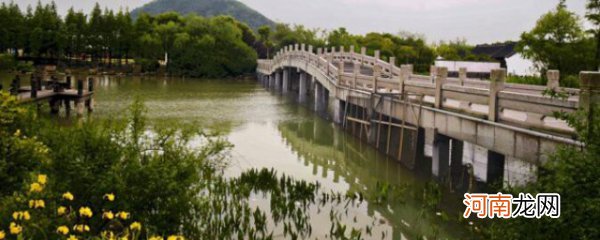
[[15, 229], [156, 238], [26, 215], [108, 215], [123, 215], [72, 237], [81, 228], [108, 235], [135, 226], [174, 237], [37, 203], [2, 235], [18, 133], [42, 179], [61, 210], [68, 196], [109, 196], [64, 230], [35, 187], [85, 212]]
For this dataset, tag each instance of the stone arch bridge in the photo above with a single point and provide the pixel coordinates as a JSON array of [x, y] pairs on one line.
[[504, 130]]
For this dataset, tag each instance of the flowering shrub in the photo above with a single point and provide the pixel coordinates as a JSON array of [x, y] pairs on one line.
[[37, 211]]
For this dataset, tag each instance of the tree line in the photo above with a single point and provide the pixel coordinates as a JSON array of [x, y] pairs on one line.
[[222, 46], [190, 45]]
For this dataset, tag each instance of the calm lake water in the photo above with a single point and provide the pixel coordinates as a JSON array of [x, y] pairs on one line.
[[269, 130]]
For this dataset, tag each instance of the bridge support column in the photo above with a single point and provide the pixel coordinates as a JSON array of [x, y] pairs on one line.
[[285, 87], [278, 80], [321, 98], [338, 110], [518, 172], [302, 87], [441, 155], [495, 167], [456, 162]]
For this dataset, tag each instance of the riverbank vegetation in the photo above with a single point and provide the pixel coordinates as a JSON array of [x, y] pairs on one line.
[[127, 177], [568, 172]]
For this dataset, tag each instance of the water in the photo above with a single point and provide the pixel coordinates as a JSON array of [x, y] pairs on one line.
[[272, 131]]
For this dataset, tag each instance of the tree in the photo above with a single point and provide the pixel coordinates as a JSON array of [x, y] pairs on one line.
[[558, 42], [264, 33], [593, 15]]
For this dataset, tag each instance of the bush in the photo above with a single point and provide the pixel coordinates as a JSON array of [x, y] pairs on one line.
[[7, 62], [148, 65], [569, 172]]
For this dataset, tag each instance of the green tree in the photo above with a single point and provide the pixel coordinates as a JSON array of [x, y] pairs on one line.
[[264, 33], [593, 15], [558, 42]]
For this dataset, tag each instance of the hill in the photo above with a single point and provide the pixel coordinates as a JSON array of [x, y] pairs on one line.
[[207, 8]]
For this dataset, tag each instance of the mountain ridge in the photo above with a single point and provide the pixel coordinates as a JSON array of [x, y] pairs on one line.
[[207, 8]]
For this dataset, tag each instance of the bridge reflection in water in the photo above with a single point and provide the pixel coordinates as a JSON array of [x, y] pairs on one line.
[[334, 154]]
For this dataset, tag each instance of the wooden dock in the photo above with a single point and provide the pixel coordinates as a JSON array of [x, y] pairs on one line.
[[56, 93]]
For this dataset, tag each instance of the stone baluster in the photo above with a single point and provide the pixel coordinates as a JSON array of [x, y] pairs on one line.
[[355, 71], [440, 80], [405, 72], [351, 50], [497, 80], [392, 61], [376, 76], [363, 53], [340, 71], [553, 79], [432, 73], [462, 75]]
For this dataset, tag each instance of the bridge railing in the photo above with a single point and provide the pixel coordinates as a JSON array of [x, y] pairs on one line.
[[494, 100]]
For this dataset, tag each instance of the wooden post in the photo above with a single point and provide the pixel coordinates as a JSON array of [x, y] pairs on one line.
[[80, 87], [497, 79], [90, 84], [376, 75], [440, 79], [553, 79], [34, 88], [16, 85], [39, 83], [462, 75], [69, 82]]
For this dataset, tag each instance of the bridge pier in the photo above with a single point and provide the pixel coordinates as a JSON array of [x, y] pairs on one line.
[[321, 98], [285, 86], [441, 155], [495, 167], [302, 90], [278, 77]]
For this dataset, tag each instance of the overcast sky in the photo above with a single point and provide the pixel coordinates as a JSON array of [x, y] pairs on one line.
[[479, 21]]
